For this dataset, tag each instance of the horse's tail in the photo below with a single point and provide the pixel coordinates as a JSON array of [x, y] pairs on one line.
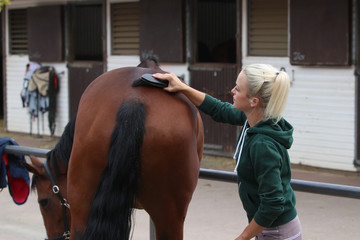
[[111, 211]]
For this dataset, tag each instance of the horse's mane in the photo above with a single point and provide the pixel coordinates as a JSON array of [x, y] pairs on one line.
[[61, 153]]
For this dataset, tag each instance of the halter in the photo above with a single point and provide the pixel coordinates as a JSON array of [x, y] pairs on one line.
[[63, 202]]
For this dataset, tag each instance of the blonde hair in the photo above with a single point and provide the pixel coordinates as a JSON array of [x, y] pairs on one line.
[[271, 86]]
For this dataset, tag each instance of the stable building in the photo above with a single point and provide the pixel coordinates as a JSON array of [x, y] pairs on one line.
[[207, 42]]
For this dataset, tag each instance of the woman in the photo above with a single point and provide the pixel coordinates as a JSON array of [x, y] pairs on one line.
[[262, 160]]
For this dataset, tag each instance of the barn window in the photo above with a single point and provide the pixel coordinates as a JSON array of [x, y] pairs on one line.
[[162, 30], [45, 33], [268, 28], [87, 33], [125, 28], [216, 31], [18, 38], [320, 32]]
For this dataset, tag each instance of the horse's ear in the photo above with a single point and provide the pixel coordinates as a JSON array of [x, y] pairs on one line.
[[35, 166]]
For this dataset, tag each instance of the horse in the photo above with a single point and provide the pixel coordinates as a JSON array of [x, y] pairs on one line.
[[134, 147], [50, 182], [140, 146]]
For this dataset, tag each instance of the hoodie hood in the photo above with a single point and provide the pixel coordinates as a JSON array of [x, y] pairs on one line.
[[280, 132]]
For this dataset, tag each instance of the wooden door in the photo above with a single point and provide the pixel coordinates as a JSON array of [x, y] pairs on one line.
[[215, 63], [86, 47]]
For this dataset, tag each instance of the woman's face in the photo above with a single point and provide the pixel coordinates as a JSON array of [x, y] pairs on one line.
[[241, 100]]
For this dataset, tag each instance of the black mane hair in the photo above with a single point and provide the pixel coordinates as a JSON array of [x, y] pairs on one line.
[[61, 152], [63, 148]]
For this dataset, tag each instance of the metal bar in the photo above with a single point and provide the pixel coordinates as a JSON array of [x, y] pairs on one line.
[[297, 185], [211, 174], [326, 188], [15, 149]]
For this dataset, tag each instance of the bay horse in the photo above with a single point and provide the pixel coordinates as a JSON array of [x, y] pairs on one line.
[[134, 147], [50, 182]]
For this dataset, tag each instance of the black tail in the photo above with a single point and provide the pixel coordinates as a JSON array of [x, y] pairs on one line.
[[110, 215]]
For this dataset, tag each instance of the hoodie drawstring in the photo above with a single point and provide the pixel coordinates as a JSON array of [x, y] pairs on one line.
[[240, 144]]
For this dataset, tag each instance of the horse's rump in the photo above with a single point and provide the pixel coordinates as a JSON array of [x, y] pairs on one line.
[[170, 116], [170, 153]]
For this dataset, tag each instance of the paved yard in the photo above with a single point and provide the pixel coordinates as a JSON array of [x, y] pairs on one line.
[[214, 213]]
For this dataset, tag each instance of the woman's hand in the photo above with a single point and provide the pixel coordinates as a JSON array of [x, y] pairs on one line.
[[175, 84], [250, 231], [240, 238]]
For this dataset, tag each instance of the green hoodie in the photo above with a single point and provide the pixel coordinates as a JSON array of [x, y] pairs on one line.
[[264, 171]]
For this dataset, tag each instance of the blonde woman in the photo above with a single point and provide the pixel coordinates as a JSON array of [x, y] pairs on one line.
[[262, 160]]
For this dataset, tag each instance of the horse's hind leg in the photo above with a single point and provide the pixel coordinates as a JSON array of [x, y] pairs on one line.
[[82, 182], [79, 197], [169, 220], [167, 191], [169, 228]]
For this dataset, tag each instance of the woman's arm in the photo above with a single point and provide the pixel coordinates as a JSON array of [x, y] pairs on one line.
[[219, 111], [175, 85], [250, 231]]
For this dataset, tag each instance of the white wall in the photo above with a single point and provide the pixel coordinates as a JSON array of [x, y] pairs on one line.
[[18, 118], [321, 108]]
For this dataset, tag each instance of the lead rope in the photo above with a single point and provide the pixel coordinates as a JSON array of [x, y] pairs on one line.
[[240, 145]]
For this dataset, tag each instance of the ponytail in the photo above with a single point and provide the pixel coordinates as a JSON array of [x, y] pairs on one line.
[[278, 98], [270, 86]]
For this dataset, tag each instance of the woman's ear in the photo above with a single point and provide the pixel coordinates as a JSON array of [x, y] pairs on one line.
[[254, 101]]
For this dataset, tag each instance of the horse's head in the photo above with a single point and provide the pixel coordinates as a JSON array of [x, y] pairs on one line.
[[50, 202], [49, 181]]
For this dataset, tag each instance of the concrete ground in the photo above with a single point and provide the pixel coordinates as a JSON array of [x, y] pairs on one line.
[[215, 211]]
